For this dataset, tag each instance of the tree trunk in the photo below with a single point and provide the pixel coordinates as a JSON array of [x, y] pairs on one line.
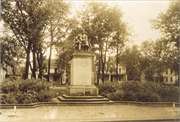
[[117, 64], [34, 61], [101, 60], [40, 62], [40, 66], [49, 61], [104, 61], [103, 65], [27, 61], [28, 52]]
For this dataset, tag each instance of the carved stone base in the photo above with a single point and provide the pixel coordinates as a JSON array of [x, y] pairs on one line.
[[80, 90], [82, 75]]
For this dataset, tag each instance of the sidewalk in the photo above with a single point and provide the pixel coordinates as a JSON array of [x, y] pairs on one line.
[[90, 113]]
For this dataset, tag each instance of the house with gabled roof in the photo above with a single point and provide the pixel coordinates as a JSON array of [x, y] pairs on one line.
[[168, 77], [110, 72]]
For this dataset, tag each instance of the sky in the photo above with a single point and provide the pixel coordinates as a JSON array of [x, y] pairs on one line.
[[137, 14]]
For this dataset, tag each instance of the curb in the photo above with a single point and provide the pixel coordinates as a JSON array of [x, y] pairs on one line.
[[163, 104], [34, 105]]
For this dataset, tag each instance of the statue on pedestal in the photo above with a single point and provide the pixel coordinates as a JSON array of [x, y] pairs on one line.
[[81, 42]]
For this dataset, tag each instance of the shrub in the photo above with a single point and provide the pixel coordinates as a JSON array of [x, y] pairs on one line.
[[25, 91], [107, 87], [116, 96], [138, 91]]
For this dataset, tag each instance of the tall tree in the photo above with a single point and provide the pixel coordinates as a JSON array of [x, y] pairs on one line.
[[155, 57], [168, 22], [65, 49], [11, 53], [121, 36], [58, 25], [26, 19], [130, 57]]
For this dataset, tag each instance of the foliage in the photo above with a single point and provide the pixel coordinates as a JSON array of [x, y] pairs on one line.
[[157, 56], [17, 90], [58, 25], [26, 19], [131, 58], [11, 51], [64, 57], [107, 87], [142, 92], [168, 22]]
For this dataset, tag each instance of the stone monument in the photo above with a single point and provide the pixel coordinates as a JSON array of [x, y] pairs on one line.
[[82, 69]]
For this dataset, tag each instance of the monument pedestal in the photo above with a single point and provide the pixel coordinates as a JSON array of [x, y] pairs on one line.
[[82, 90], [82, 75]]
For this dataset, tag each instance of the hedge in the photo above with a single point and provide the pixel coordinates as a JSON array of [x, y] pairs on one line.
[[138, 91], [25, 91]]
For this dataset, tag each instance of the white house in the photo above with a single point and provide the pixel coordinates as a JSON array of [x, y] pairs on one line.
[[110, 73], [168, 77]]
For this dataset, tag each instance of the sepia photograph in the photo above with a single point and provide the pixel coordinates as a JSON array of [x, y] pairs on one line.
[[89, 60]]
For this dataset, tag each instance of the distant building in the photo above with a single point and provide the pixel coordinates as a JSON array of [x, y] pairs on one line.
[[167, 77], [110, 73], [57, 75], [54, 74]]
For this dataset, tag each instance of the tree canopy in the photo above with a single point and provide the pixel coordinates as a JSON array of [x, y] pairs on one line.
[[168, 22]]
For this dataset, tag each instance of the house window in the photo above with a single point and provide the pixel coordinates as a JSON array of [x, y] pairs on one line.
[[156, 80], [171, 71], [166, 79], [110, 70], [46, 70], [171, 79], [166, 71], [55, 70], [119, 70], [119, 78]]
